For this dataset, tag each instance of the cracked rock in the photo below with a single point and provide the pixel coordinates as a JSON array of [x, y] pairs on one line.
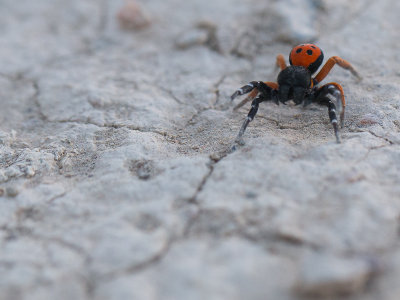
[[206, 266], [117, 175]]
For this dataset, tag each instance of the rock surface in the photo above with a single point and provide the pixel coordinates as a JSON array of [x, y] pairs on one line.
[[115, 179], [325, 275]]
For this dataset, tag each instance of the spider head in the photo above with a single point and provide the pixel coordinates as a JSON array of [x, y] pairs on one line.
[[308, 56]]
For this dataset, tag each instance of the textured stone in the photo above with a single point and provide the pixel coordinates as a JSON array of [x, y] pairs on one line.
[[205, 270], [117, 179], [327, 275]]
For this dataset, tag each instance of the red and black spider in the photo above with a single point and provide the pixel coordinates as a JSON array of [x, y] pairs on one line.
[[295, 82]]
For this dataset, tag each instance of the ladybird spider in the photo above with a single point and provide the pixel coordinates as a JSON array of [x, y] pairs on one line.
[[295, 83]]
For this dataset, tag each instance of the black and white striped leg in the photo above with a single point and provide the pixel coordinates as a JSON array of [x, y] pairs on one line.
[[336, 93], [248, 88], [333, 119], [249, 118], [331, 95]]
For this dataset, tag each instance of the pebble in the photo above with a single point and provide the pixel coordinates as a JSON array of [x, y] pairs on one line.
[[133, 17]]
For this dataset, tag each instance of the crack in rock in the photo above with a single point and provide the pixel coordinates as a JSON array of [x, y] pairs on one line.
[[116, 126], [215, 158], [35, 99], [138, 267], [212, 106], [203, 182], [375, 135], [172, 95], [216, 89]]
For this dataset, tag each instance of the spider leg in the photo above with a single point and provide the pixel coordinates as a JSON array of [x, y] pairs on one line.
[[261, 86], [249, 118], [328, 95], [333, 119], [329, 65], [336, 90], [267, 92], [280, 62], [250, 97], [246, 89]]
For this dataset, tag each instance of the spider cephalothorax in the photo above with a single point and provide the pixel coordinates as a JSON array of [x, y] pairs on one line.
[[295, 82]]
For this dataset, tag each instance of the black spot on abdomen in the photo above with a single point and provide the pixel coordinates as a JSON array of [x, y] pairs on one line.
[[309, 52]]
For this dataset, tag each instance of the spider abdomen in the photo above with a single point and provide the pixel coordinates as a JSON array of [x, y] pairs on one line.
[[293, 83]]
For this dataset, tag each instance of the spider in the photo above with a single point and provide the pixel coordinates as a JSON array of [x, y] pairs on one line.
[[295, 82]]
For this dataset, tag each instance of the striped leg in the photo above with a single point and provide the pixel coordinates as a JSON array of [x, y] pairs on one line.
[[250, 117], [254, 88], [262, 87], [336, 91], [333, 119], [332, 96]]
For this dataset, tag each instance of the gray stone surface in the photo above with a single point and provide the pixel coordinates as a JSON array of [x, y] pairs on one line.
[[325, 275], [115, 179]]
